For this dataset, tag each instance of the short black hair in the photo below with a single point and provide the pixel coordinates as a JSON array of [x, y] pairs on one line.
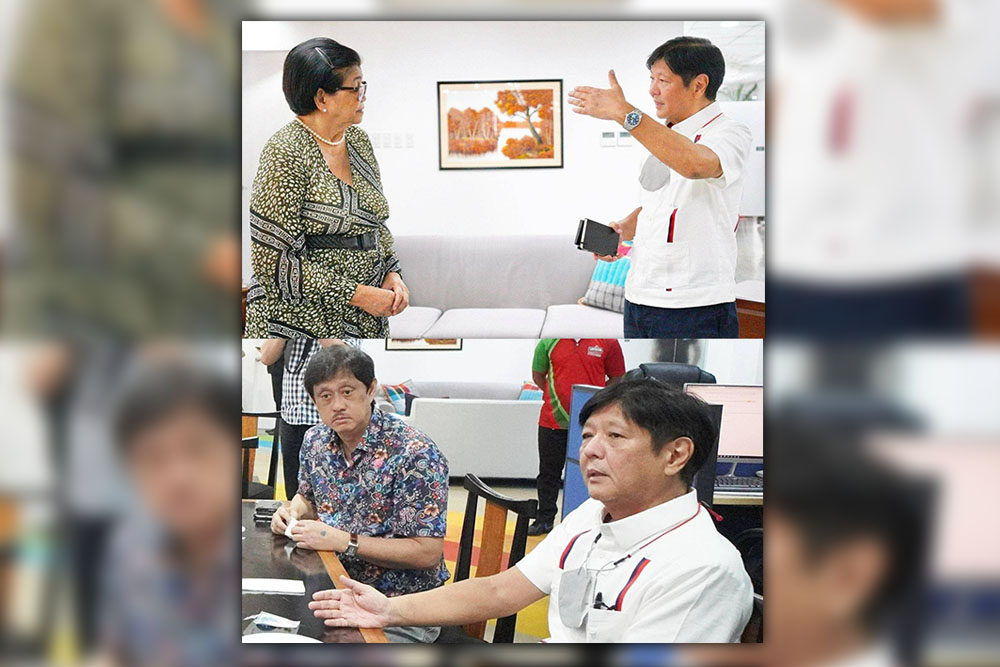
[[833, 491], [666, 413], [315, 63], [154, 391], [328, 362], [687, 57]]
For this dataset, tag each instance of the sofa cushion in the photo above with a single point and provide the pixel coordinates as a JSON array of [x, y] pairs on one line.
[[497, 271], [413, 322], [488, 323], [576, 321], [607, 286], [492, 391]]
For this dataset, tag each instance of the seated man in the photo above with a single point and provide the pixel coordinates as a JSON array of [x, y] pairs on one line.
[[846, 547], [371, 488], [640, 561]]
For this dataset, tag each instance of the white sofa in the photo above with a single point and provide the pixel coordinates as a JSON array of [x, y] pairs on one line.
[[498, 287], [481, 428], [511, 287]]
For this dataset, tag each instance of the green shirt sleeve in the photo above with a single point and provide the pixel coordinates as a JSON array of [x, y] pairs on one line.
[[540, 364]]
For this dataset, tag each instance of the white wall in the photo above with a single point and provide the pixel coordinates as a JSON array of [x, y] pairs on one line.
[[731, 361], [509, 360], [738, 361], [404, 60], [257, 395], [479, 360], [734, 361]]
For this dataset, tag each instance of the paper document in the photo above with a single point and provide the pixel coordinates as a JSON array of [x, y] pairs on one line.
[[274, 586]]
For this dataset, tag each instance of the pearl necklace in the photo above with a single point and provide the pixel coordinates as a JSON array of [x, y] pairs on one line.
[[323, 139]]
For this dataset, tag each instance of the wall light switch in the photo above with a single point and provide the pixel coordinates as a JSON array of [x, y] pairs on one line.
[[397, 140], [409, 140], [624, 138], [386, 140], [607, 138]]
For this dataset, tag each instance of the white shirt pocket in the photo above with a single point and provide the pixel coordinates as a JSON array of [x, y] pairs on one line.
[[663, 265], [604, 625]]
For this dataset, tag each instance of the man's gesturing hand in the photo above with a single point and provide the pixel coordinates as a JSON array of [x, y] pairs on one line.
[[354, 606], [604, 103]]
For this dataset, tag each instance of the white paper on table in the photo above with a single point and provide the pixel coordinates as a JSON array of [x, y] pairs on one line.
[[288, 528], [278, 638], [274, 586]]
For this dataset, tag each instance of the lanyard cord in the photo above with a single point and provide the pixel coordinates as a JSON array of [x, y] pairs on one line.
[[610, 565]]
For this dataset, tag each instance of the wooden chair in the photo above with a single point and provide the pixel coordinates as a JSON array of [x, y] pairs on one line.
[[250, 443], [490, 551], [9, 527]]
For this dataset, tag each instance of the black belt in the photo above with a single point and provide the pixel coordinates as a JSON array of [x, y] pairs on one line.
[[364, 242]]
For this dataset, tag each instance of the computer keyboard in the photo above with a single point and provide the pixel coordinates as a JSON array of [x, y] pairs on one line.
[[733, 483]]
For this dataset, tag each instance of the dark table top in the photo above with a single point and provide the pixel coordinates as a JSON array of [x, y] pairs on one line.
[[265, 556]]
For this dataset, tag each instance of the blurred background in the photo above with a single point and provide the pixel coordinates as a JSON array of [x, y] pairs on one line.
[[119, 224]]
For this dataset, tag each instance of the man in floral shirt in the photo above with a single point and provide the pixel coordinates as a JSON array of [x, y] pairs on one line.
[[371, 487]]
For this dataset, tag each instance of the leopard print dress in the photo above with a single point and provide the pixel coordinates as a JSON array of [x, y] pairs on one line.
[[297, 291]]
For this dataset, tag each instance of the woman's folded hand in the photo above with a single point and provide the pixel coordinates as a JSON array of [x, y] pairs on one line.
[[374, 300], [401, 293]]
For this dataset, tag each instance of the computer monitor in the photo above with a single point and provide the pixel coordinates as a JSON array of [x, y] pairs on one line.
[[742, 431]]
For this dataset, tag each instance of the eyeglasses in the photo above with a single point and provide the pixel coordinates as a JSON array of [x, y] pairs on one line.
[[359, 90]]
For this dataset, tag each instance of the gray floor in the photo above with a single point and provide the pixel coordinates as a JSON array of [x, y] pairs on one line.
[[750, 251]]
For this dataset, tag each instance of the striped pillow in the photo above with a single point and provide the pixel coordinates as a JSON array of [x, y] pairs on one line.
[[607, 286], [396, 394], [530, 392]]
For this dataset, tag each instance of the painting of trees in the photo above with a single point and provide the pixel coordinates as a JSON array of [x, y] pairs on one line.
[[472, 132], [500, 124], [535, 108]]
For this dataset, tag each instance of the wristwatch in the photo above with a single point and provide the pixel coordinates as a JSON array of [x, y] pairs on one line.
[[352, 546], [632, 119]]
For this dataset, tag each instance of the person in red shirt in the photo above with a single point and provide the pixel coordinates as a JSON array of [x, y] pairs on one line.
[[560, 363]]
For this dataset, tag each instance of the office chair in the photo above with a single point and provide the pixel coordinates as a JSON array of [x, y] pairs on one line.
[[753, 633], [704, 478], [490, 553], [750, 544], [672, 374]]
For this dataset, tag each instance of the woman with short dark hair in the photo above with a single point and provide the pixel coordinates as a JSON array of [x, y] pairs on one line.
[[322, 255]]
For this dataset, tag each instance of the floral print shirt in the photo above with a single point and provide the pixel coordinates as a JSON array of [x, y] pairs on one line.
[[395, 485]]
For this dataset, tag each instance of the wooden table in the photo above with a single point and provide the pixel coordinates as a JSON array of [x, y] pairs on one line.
[[265, 555]]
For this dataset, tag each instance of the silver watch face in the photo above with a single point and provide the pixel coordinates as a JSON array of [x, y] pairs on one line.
[[632, 119]]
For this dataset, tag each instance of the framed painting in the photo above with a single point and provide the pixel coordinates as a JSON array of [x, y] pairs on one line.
[[392, 344], [500, 124]]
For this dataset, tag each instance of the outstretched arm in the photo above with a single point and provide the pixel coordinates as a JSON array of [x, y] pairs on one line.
[[360, 606], [673, 149]]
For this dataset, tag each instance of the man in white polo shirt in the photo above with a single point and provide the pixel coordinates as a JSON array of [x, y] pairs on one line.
[[640, 561], [682, 282]]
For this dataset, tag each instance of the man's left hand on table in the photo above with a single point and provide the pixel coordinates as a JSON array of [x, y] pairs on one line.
[[318, 536]]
